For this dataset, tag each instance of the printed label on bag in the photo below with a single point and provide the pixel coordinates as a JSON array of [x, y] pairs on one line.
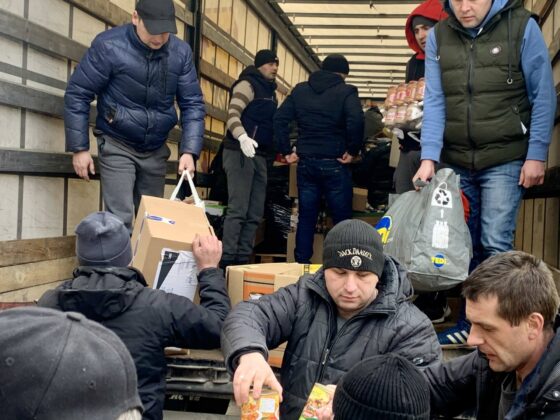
[[440, 235], [384, 228], [439, 260], [442, 198]]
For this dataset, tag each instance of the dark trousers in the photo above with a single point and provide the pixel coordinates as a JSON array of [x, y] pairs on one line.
[[127, 174], [246, 179], [317, 178]]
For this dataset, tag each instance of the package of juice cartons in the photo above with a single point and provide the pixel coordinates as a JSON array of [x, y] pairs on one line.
[[320, 397]]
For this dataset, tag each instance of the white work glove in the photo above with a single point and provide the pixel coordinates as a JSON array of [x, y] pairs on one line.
[[248, 145], [398, 132]]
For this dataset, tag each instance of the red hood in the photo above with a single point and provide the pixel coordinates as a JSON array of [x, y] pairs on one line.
[[431, 9]]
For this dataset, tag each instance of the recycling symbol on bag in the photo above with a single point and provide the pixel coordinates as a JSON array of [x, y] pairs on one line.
[[442, 198]]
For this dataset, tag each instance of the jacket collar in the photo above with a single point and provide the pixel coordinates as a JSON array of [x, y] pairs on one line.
[[394, 288], [139, 45]]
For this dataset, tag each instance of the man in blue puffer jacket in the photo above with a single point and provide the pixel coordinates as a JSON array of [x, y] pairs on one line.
[[136, 71]]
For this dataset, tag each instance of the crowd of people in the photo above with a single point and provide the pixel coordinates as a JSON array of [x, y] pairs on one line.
[[94, 348]]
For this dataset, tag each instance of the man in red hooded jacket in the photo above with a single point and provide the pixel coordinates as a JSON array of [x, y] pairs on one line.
[[419, 22]]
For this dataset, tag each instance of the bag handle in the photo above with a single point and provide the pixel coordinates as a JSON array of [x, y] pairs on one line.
[[197, 201]]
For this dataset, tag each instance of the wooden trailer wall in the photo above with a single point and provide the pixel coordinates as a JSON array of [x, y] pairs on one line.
[[539, 216], [41, 41]]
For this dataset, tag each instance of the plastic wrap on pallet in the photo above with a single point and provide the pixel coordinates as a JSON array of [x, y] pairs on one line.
[[278, 210]]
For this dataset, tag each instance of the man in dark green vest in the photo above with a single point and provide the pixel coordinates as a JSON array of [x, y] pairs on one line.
[[488, 113]]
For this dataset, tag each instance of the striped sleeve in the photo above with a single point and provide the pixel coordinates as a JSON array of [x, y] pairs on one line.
[[242, 95]]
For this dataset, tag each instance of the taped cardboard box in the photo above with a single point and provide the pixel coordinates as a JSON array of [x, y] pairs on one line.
[[252, 281], [164, 225], [292, 185], [359, 199]]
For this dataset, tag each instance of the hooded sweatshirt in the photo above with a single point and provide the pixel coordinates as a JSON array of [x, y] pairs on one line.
[[329, 117], [537, 72], [430, 9], [145, 319]]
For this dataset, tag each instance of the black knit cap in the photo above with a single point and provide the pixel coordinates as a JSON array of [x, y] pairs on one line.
[[336, 63], [265, 57], [385, 387], [354, 245]]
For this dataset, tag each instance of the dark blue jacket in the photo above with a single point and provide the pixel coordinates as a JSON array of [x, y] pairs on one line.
[[135, 87], [329, 117], [257, 116]]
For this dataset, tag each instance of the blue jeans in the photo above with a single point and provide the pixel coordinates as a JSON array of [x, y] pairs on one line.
[[494, 197], [317, 178]]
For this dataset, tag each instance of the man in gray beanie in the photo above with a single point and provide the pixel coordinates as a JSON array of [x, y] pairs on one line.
[[106, 290], [61, 366], [357, 306]]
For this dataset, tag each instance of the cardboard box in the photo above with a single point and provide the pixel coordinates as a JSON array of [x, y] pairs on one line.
[[359, 199], [292, 185], [317, 257], [370, 218], [254, 280], [163, 224]]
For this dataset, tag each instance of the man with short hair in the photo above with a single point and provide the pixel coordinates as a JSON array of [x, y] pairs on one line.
[[62, 366], [358, 305], [488, 114], [512, 304], [330, 124], [136, 71], [247, 145], [107, 290]]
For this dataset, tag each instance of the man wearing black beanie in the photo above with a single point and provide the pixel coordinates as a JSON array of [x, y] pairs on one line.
[[357, 306], [247, 144], [330, 124]]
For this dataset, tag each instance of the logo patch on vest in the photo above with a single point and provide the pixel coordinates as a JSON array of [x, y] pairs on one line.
[[356, 261], [496, 50]]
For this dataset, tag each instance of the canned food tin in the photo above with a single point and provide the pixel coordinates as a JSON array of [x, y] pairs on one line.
[[267, 407]]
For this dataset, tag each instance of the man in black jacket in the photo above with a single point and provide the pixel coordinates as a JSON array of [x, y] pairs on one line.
[[512, 304], [330, 124], [106, 290], [359, 305]]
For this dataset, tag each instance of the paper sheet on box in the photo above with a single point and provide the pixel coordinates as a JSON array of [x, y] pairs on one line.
[[176, 273]]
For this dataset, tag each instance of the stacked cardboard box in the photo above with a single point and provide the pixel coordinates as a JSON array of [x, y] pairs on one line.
[[246, 282]]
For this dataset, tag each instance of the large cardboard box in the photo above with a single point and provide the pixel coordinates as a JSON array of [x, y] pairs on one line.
[[251, 281], [359, 199], [317, 257], [254, 280], [163, 224]]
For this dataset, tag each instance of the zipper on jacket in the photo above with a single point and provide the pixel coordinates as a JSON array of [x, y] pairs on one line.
[[148, 61], [326, 352], [470, 92]]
